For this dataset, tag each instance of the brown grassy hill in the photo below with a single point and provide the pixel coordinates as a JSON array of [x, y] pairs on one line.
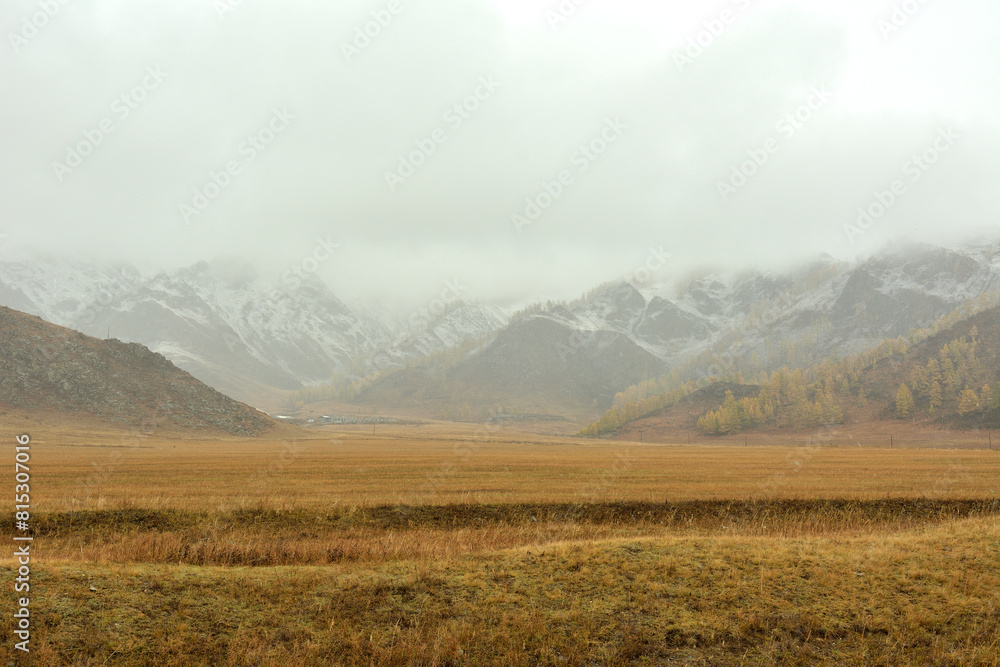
[[46, 368]]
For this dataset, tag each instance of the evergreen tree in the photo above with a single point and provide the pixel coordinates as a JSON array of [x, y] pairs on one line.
[[832, 414], [904, 402], [967, 401], [933, 371], [986, 398], [918, 380], [948, 375], [933, 396]]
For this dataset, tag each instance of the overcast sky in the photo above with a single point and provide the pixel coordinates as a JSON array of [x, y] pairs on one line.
[[313, 119]]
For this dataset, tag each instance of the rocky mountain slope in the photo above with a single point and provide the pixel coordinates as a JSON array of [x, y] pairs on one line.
[[47, 368], [585, 351]]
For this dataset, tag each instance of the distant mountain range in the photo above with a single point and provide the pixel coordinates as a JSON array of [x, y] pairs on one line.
[[238, 333], [225, 325], [577, 356]]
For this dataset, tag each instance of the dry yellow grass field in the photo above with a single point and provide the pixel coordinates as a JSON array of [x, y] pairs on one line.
[[442, 464], [457, 545]]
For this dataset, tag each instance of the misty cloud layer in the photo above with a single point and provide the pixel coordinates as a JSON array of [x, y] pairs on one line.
[[275, 131]]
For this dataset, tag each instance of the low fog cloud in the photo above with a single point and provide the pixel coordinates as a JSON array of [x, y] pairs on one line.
[[528, 150]]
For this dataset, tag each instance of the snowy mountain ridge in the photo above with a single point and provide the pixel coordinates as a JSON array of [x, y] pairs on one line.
[[224, 324], [237, 332]]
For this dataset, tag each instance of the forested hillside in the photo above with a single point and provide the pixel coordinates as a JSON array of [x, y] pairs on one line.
[[947, 372]]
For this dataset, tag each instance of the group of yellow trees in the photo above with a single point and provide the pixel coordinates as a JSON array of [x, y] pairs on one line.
[[949, 378], [788, 398], [802, 398], [812, 398], [638, 401], [630, 409]]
